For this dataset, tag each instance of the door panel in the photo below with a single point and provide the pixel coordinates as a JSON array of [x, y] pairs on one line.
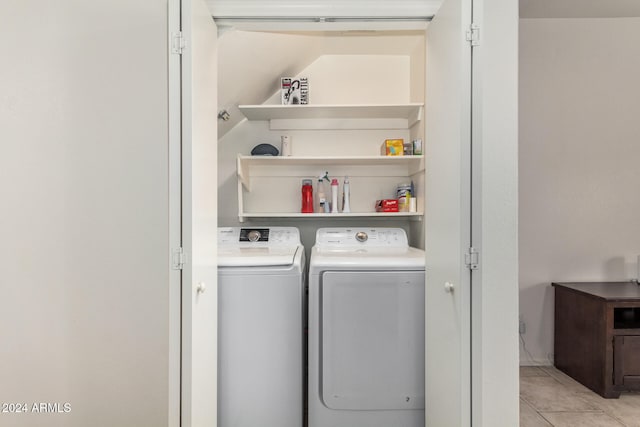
[[627, 363], [372, 344], [495, 214], [260, 348], [199, 203], [84, 183], [448, 192]]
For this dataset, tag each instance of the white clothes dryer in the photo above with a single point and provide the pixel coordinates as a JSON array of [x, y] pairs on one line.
[[366, 329], [261, 313]]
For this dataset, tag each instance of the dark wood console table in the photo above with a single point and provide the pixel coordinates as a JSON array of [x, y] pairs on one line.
[[597, 335]]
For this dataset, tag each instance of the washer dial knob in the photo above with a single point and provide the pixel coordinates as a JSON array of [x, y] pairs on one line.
[[361, 236], [254, 236]]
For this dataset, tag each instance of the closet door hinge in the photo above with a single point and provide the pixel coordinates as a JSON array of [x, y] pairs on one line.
[[178, 43], [472, 259], [177, 258], [473, 34]]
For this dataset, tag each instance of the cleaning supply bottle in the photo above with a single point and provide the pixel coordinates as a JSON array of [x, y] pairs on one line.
[[307, 196], [334, 195], [403, 194], [322, 204], [346, 190]]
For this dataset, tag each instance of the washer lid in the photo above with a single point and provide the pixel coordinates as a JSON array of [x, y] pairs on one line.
[[258, 246], [256, 256]]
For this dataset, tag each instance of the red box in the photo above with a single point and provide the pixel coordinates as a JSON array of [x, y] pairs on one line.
[[387, 205]]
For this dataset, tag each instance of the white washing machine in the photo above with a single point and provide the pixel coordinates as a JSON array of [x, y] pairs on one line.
[[261, 313], [366, 329]]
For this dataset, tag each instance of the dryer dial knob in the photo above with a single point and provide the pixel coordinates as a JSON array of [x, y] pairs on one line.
[[361, 236], [254, 236]]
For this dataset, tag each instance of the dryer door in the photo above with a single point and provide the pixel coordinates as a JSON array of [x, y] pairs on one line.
[[372, 349]]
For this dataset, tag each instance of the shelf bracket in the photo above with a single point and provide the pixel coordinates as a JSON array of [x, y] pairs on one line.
[[416, 117], [243, 174]]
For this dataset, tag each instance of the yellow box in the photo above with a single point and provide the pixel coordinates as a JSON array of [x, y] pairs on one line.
[[392, 147]]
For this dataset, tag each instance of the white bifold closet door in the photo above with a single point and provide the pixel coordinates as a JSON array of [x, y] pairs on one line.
[[199, 215], [448, 217]]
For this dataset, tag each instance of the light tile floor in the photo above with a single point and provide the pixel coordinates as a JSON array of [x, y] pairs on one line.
[[548, 398]]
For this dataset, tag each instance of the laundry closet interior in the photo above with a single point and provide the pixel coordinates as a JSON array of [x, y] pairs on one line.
[[364, 87]]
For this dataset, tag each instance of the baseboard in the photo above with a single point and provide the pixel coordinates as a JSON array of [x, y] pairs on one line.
[[535, 362]]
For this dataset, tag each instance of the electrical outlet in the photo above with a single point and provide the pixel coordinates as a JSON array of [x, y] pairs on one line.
[[522, 327]]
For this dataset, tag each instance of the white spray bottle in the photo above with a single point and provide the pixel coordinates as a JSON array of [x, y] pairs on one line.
[[323, 203], [334, 195], [346, 193]]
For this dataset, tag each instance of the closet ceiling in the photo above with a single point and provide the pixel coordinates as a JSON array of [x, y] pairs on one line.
[[323, 8]]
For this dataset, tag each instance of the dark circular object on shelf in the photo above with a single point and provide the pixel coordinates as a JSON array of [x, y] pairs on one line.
[[264, 150]]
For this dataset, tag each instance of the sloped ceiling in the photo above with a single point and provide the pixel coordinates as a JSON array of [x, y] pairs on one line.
[[250, 64]]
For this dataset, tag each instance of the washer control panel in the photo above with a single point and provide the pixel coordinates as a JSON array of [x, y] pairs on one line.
[[361, 237], [259, 236], [254, 234]]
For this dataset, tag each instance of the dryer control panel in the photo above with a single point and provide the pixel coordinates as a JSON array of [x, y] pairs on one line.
[[260, 236], [361, 237]]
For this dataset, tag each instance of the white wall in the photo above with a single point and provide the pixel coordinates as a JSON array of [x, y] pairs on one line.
[[84, 218], [579, 152]]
